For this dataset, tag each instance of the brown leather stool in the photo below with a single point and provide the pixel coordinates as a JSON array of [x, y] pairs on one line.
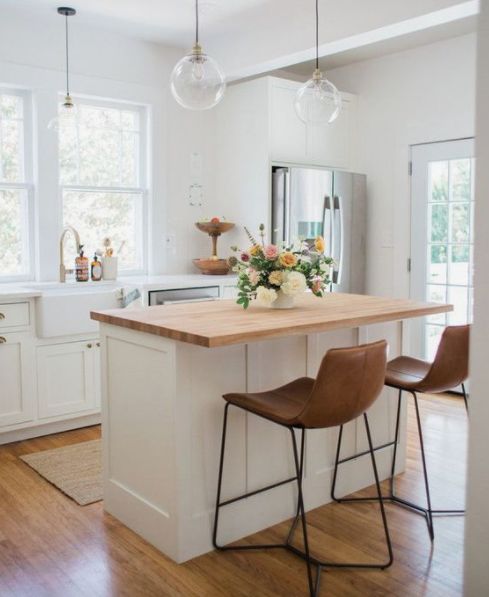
[[348, 382], [449, 369]]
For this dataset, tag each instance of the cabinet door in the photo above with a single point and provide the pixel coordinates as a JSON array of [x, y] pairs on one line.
[[288, 132], [17, 395], [329, 144], [66, 378]]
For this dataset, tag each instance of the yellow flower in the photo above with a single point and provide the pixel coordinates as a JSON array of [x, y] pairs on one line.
[[319, 244], [255, 250], [287, 259], [276, 278]]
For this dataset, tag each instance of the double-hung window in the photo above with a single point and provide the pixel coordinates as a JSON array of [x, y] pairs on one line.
[[15, 186], [103, 181]]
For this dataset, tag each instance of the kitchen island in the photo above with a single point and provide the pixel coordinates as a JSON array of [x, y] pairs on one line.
[[164, 370]]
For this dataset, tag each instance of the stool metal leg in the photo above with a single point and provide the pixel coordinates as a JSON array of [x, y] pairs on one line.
[[465, 398], [379, 498]]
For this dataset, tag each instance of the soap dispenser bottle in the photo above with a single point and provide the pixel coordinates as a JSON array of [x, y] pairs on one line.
[[96, 269], [81, 266]]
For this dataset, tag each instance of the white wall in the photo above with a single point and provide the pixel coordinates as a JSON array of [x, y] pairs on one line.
[[477, 526], [116, 67], [416, 96]]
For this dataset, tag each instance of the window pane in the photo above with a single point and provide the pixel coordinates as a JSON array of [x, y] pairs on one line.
[[98, 215], [11, 139], [437, 264], [437, 294], [460, 180], [438, 220], [13, 232], [100, 148], [433, 335], [457, 296], [438, 176], [460, 228], [459, 265]]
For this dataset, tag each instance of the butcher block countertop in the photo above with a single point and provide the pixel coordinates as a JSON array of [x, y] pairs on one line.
[[223, 322]]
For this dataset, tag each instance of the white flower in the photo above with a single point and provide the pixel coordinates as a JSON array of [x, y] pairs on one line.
[[325, 267], [295, 283], [266, 295]]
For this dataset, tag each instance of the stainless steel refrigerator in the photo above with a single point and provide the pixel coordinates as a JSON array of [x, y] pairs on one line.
[[307, 202]]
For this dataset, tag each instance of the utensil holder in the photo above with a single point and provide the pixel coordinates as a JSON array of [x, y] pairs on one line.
[[109, 268]]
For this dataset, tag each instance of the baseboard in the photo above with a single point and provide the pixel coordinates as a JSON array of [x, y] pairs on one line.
[[48, 429]]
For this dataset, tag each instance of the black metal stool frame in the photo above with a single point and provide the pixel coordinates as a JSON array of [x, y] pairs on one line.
[[427, 512], [300, 514]]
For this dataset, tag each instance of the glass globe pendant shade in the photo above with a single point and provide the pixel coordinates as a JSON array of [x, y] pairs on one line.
[[197, 82], [318, 101], [66, 115]]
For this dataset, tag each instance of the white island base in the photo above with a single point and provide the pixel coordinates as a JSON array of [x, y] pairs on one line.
[[162, 421]]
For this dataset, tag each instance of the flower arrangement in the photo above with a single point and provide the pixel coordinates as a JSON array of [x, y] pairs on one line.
[[266, 270]]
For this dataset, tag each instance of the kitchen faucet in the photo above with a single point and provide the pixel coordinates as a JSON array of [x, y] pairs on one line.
[[62, 269]]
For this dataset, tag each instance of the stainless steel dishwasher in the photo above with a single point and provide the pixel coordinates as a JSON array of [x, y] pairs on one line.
[[183, 295]]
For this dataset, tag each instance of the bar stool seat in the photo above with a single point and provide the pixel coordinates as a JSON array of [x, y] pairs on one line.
[[348, 383], [406, 372], [283, 404]]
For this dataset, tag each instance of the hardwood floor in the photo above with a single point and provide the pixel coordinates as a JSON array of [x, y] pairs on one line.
[[50, 546]]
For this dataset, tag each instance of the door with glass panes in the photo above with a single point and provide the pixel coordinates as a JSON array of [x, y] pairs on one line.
[[442, 212]]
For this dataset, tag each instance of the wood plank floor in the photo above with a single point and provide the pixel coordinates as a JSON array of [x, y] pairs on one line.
[[50, 546]]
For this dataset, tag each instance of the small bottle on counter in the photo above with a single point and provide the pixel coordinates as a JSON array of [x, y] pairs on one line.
[[81, 266], [96, 269]]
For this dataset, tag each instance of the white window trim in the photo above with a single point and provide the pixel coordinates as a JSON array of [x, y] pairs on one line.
[[143, 169], [27, 185]]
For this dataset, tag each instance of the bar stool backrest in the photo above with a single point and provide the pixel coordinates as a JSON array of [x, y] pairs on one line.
[[348, 382], [451, 365]]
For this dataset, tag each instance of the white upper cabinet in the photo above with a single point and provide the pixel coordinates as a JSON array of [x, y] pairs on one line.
[[294, 142]]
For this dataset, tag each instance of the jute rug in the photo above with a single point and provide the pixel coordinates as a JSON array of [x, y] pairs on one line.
[[76, 470]]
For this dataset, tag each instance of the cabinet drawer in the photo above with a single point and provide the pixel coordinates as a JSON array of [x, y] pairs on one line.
[[14, 315]]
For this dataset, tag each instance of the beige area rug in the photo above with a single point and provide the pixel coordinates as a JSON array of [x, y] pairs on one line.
[[75, 469]]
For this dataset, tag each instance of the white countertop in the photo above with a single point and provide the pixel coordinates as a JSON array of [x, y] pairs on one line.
[[27, 290]]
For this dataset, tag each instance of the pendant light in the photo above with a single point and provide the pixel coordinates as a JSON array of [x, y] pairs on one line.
[[197, 81], [318, 101], [67, 110]]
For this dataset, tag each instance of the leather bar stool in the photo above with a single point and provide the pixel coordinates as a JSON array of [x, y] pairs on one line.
[[348, 382], [449, 370]]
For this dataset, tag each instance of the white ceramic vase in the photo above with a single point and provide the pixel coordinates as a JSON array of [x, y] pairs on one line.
[[283, 301]]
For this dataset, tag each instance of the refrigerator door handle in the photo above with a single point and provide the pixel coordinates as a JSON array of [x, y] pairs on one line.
[[328, 207], [338, 254], [287, 207]]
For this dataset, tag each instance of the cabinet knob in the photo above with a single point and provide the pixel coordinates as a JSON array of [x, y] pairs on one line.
[[2, 315], [89, 345], [98, 344], [3, 340]]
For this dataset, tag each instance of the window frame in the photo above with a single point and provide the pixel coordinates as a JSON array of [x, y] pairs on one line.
[[27, 185], [143, 189]]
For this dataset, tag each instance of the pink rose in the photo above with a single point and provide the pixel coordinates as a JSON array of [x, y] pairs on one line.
[[245, 256], [271, 252], [253, 276]]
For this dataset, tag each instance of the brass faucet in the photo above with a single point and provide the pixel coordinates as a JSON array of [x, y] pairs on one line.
[[62, 269]]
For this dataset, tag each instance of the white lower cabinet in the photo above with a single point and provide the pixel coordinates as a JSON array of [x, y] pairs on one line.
[[17, 387], [68, 378]]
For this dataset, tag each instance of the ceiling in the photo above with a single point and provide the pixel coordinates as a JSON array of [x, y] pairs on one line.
[[165, 21]]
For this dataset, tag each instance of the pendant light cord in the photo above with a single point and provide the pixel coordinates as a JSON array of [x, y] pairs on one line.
[[317, 34], [196, 21], [67, 56]]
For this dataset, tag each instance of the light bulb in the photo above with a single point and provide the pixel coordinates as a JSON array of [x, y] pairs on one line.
[[67, 113], [198, 69], [197, 82], [318, 101]]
